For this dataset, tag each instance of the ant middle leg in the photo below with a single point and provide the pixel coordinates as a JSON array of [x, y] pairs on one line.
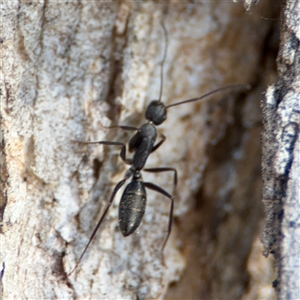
[[163, 169], [160, 190], [123, 127]]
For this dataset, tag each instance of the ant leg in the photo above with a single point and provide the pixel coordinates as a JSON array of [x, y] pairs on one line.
[[158, 189], [157, 170], [117, 187], [123, 127], [159, 143], [109, 143]]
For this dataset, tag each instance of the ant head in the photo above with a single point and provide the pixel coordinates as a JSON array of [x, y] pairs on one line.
[[156, 112]]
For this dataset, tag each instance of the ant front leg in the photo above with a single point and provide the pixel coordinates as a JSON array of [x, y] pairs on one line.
[[109, 143]]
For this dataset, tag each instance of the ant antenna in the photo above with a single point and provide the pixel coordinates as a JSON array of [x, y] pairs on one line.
[[163, 61], [242, 86]]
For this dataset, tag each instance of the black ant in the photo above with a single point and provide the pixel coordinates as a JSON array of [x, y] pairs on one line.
[[133, 201]]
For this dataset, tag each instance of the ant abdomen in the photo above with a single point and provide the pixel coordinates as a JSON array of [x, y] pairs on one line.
[[132, 207]]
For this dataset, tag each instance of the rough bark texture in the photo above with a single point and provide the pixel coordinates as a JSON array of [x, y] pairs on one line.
[[281, 158], [71, 67]]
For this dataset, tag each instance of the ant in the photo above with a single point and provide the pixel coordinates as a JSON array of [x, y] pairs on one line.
[[133, 201]]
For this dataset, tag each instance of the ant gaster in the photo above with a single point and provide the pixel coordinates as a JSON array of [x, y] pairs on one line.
[[133, 201]]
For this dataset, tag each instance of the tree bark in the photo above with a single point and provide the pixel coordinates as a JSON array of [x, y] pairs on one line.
[[71, 68], [281, 158]]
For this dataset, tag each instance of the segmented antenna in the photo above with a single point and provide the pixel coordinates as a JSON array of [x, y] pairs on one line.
[[163, 61], [232, 86]]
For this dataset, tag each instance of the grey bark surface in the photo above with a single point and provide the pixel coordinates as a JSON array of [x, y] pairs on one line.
[[70, 68], [281, 158]]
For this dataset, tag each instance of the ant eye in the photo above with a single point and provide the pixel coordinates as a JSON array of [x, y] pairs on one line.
[[156, 112]]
